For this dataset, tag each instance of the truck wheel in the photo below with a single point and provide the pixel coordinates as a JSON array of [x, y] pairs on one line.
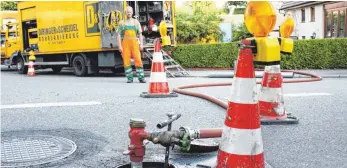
[[79, 66], [57, 69], [21, 68]]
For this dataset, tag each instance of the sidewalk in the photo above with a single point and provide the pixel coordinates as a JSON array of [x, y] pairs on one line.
[[337, 73]]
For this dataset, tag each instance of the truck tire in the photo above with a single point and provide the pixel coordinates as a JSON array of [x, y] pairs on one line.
[[21, 68], [79, 66], [57, 69]]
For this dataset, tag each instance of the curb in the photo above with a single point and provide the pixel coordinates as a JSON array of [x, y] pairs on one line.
[[323, 76], [294, 76]]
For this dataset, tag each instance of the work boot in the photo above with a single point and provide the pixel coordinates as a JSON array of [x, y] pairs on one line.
[[140, 74], [129, 74]]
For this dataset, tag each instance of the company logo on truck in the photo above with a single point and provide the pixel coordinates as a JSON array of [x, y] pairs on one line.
[[91, 18], [58, 33]]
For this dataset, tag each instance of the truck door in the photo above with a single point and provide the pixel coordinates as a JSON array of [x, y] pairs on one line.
[[111, 14], [12, 39], [28, 24], [11, 43]]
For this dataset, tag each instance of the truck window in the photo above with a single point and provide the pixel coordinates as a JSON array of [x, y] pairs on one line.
[[11, 34], [33, 34], [2, 38]]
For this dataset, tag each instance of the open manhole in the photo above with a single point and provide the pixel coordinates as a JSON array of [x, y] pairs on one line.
[[203, 146], [34, 150]]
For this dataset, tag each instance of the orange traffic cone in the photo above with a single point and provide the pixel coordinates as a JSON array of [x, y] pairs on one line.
[[241, 144], [31, 70], [271, 103], [158, 85]]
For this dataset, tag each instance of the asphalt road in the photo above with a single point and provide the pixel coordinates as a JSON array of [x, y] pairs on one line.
[[98, 122]]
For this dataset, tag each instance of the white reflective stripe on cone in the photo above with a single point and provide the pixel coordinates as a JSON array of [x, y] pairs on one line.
[[267, 94], [244, 91], [31, 70], [157, 57], [241, 141], [272, 69], [158, 77]]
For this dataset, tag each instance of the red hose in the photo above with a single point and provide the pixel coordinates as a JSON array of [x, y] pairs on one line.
[[217, 132], [210, 132]]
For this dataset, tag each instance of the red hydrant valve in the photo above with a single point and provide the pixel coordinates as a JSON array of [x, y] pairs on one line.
[[137, 134]]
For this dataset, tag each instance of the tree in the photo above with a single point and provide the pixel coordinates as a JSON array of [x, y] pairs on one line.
[[200, 25], [8, 5], [233, 3], [240, 32]]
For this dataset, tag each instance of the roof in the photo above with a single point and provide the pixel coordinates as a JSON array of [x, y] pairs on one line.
[[298, 4]]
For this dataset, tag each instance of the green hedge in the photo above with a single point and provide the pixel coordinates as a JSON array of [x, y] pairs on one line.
[[239, 11], [307, 54]]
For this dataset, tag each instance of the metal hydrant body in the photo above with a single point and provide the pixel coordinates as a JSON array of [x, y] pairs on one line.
[[137, 134], [136, 147]]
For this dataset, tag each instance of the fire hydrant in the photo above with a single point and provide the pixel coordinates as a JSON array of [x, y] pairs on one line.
[[136, 149]]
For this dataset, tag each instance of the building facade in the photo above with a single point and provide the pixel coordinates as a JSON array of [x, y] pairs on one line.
[[317, 19]]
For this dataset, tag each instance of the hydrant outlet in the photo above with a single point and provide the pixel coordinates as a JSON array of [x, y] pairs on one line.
[[137, 123]]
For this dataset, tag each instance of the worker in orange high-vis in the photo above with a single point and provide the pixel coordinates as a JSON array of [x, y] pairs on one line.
[[130, 38]]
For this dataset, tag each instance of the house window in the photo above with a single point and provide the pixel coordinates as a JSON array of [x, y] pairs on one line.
[[335, 20], [328, 17], [302, 15], [303, 37], [335, 24], [313, 14], [342, 23]]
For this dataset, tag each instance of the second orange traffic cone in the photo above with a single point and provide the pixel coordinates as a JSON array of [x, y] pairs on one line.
[[31, 69], [158, 85], [271, 103]]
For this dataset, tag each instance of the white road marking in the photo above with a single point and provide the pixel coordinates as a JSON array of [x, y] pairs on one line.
[[296, 95], [53, 104], [306, 94]]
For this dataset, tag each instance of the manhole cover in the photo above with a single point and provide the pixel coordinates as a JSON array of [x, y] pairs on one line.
[[34, 150]]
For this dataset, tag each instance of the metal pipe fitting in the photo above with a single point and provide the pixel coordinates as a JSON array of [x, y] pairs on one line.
[[166, 138], [168, 121]]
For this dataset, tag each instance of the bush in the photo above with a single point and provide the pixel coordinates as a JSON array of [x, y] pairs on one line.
[[240, 32], [206, 55], [307, 54], [239, 11]]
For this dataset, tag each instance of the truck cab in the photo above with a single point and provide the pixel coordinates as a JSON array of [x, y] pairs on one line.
[[9, 43]]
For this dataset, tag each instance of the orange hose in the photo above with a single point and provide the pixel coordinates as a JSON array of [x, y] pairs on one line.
[[225, 105]]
